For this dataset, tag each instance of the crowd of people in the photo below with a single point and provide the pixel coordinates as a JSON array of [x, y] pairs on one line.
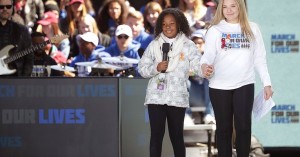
[[54, 18]]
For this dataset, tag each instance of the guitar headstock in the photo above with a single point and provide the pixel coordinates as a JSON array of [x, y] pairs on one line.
[[58, 38]]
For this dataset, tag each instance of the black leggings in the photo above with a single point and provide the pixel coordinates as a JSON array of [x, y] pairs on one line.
[[233, 105], [175, 116]]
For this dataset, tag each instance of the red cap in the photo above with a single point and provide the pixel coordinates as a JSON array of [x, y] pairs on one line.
[[49, 17], [59, 57], [211, 4], [74, 1]]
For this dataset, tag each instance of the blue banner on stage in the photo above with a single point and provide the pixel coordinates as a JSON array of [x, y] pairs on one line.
[[61, 117]]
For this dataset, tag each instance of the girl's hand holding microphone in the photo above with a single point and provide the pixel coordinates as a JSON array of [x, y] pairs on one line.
[[207, 70], [162, 66]]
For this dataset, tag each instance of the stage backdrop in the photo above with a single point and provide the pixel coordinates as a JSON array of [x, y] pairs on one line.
[[279, 23], [59, 117]]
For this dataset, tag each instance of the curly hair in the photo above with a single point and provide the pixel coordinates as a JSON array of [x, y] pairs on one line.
[[181, 21]]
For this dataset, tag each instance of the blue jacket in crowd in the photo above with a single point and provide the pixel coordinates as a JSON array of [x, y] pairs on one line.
[[131, 52], [81, 58], [145, 39]]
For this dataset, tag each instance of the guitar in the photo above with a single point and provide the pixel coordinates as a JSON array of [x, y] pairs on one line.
[[5, 58]]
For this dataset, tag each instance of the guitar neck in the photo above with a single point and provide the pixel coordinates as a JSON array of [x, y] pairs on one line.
[[25, 52]]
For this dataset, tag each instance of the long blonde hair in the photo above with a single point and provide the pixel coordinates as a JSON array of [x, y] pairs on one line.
[[72, 19], [243, 18], [89, 20]]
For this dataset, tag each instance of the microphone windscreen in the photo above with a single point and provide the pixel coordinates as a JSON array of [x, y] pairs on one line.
[[166, 47]]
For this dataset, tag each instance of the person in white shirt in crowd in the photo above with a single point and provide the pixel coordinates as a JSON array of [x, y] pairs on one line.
[[234, 49]]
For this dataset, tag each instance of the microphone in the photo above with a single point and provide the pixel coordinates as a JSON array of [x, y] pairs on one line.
[[165, 49], [141, 52]]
